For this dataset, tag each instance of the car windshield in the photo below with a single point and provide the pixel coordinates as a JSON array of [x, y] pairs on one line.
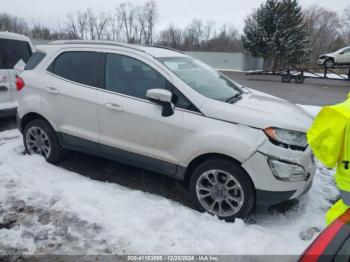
[[202, 78]]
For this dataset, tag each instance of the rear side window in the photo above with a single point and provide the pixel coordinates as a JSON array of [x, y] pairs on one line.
[[11, 51], [34, 60], [77, 66]]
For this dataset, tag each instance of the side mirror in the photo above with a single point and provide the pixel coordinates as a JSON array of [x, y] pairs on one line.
[[162, 97], [342, 53]]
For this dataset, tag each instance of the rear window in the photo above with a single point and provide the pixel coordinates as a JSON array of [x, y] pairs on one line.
[[34, 60], [77, 66], [11, 51]]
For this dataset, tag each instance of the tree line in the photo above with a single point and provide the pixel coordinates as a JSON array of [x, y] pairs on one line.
[[278, 30], [133, 24], [286, 35]]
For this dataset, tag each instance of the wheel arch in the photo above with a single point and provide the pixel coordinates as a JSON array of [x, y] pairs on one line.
[[27, 118], [334, 58], [204, 157]]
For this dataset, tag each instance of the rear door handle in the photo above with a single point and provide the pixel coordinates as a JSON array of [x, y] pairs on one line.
[[52, 90], [114, 107]]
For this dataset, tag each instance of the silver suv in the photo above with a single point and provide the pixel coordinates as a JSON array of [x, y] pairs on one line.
[[161, 110]]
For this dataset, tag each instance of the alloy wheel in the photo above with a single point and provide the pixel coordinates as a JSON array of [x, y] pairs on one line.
[[38, 142], [219, 193], [329, 63]]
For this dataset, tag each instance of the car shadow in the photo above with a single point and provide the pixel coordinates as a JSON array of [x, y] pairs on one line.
[[105, 170]]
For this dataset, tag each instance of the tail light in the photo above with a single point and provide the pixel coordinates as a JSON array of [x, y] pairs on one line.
[[19, 83]]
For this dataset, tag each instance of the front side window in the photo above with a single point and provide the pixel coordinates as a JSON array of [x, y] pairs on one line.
[[129, 76], [11, 51], [202, 78], [77, 66]]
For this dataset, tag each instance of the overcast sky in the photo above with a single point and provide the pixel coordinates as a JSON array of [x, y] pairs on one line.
[[179, 12]]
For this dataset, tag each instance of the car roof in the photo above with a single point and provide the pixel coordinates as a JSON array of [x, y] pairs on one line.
[[155, 51], [13, 36]]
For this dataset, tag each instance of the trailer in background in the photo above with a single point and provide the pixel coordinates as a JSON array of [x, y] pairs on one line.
[[299, 74]]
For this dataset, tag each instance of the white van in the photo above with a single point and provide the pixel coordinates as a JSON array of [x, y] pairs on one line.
[[13, 47]]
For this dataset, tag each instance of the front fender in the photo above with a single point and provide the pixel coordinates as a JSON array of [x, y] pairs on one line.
[[219, 137]]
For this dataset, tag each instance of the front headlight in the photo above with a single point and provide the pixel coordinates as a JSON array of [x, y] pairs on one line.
[[287, 138]]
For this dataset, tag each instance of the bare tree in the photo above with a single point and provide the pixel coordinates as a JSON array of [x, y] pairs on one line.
[[208, 30], [40, 32], [73, 28], [114, 28], [193, 34], [323, 26], [88, 25], [150, 14], [171, 37], [82, 20], [226, 39], [13, 24], [101, 26], [346, 25], [126, 16]]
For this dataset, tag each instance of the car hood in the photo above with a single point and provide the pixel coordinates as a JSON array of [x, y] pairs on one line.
[[260, 110], [328, 55]]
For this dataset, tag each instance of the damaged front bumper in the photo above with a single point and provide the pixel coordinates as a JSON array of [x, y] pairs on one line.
[[292, 178]]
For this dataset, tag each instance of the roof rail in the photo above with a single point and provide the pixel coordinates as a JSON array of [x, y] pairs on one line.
[[94, 42], [166, 47]]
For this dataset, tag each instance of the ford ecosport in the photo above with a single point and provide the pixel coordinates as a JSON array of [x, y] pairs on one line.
[[161, 110]]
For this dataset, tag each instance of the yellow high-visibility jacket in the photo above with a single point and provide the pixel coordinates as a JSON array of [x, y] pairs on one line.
[[329, 138]]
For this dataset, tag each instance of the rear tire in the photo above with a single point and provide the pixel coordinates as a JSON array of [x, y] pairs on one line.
[[40, 138], [222, 188], [299, 79]]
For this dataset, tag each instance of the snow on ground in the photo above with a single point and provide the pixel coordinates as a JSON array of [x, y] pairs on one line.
[[45, 209], [329, 75], [8, 105]]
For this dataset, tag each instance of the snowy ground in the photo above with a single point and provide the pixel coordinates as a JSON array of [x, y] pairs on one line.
[[8, 105], [46, 209]]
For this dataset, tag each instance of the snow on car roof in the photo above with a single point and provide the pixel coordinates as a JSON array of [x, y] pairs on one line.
[[13, 36]]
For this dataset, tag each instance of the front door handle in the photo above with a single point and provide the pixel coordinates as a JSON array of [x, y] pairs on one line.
[[52, 90], [114, 107]]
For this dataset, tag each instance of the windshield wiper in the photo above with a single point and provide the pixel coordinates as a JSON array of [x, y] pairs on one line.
[[234, 98]]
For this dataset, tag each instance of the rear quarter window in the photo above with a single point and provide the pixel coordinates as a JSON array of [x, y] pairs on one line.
[[77, 66], [34, 60], [11, 51]]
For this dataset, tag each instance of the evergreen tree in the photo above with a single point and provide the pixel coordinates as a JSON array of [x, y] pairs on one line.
[[276, 31]]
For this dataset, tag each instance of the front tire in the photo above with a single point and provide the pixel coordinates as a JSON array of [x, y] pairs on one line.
[[222, 188], [329, 63], [39, 138]]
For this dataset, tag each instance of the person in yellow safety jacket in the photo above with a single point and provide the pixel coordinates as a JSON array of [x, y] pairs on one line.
[[329, 138]]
